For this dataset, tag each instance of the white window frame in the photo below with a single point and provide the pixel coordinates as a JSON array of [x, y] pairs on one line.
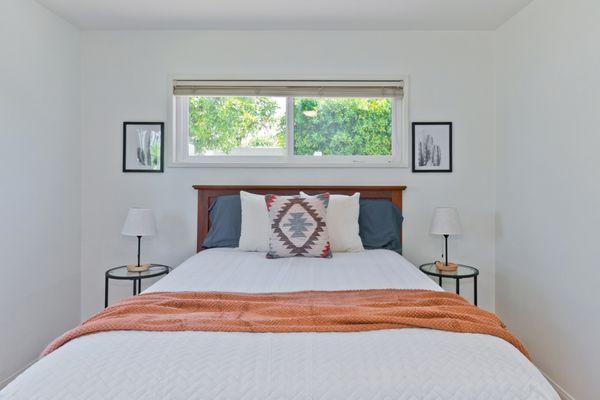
[[179, 126]]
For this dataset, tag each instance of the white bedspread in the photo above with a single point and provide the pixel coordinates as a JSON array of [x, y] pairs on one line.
[[391, 364]]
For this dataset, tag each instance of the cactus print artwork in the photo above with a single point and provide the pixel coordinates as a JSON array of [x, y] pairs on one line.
[[432, 147], [430, 153], [143, 146]]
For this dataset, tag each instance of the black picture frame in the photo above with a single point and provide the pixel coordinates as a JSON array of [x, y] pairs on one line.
[[447, 147], [128, 168]]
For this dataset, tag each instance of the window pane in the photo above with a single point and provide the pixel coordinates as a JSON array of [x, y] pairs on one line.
[[237, 125], [342, 126]]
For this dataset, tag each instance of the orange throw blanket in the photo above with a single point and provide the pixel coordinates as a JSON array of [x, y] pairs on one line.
[[310, 311]]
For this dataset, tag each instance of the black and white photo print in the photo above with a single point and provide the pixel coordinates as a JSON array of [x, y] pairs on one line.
[[432, 146], [143, 146]]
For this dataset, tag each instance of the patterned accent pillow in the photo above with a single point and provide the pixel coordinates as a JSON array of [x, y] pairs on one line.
[[298, 226]]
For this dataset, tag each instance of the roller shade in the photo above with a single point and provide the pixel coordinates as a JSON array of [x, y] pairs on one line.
[[289, 88]]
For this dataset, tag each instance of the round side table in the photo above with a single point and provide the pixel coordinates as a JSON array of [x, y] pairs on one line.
[[121, 273], [462, 272]]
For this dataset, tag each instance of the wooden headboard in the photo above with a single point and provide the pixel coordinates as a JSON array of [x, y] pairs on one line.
[[207, 194]]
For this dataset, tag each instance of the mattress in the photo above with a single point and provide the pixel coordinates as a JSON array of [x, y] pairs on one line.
[[387, 364]]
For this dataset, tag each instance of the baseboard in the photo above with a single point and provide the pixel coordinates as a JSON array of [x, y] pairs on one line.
[[8, 380], [561, 392]]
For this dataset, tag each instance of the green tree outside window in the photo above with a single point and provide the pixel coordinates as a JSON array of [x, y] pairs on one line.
[[327, 126]]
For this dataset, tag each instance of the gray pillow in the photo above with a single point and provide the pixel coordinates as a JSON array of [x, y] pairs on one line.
[[380, 223], [225, 215]]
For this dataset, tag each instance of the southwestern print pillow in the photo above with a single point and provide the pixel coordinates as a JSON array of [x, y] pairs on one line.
[[298, 226]]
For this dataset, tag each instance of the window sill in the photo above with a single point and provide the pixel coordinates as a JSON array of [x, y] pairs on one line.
[[285, 164]]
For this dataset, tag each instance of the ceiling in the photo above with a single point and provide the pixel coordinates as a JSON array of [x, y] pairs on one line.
[[286, 14]]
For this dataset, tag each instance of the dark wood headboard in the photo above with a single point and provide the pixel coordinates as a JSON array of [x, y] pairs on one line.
[[207, 194]]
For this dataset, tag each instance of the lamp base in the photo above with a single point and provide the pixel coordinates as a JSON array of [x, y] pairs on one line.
[[443, 267], [136, 268]]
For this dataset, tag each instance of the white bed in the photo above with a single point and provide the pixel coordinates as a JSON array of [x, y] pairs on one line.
[[388, 364]]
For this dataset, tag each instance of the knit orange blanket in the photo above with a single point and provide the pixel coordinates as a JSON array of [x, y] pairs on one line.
[[310, 311]]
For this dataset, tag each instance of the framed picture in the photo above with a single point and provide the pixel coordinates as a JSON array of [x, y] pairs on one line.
[[143, 146], [432, 146]]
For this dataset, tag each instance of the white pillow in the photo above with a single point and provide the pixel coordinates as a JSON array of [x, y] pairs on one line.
[[342, 222], [255, 231]]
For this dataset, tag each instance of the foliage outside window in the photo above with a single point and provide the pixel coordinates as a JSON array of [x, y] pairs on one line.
[[231, 125], [342, 126], [242, 128]]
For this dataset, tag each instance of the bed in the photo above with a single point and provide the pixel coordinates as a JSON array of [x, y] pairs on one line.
[[379, 364]]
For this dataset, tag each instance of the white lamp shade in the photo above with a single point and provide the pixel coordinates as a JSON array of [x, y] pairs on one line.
[[445, 222], [139, 222]]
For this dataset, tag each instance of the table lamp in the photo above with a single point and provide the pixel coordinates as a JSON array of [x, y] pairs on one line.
[[445, 222], [139, 222]]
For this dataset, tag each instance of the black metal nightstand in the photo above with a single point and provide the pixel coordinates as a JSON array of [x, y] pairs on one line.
[[121, 273], [463, 272]]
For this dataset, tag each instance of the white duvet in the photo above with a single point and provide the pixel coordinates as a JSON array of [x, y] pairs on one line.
[[397, 364]]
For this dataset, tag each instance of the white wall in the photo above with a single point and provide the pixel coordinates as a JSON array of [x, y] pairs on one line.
[[548, 192], [40, 205], [125, 78]]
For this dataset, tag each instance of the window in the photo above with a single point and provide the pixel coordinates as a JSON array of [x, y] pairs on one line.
[[289, 122]]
